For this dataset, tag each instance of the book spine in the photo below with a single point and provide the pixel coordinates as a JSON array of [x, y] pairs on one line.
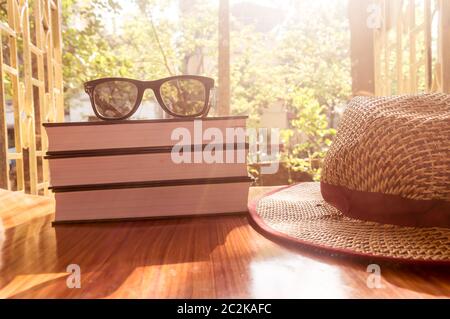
[[145, 164], [151, 184]]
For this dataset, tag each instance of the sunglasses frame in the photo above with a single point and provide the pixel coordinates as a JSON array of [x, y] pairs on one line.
[[155, 86]]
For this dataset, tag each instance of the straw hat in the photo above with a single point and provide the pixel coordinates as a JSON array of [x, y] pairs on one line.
[[385, 187]]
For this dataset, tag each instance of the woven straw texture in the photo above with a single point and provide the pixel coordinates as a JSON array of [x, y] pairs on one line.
[[301, 213], [396, 145]]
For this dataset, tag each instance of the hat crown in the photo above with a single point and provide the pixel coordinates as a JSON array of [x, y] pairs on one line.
[[397, 145]]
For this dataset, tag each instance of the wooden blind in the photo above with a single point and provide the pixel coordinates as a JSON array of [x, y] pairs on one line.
[[31, 90], [412, 47]]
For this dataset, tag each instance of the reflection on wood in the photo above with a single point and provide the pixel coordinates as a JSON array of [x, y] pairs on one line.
[[214, 257]]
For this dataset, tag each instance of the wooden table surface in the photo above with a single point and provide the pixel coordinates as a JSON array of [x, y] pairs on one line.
[[206, 257]]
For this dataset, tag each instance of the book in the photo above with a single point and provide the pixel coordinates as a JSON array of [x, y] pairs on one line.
[[152, 201], [140, 165], [114, 170], [76, 136]]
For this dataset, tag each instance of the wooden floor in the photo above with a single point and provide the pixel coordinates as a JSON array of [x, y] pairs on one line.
[[214, 257]]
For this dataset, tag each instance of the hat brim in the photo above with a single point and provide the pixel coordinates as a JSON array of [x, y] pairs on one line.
[[299, 214]]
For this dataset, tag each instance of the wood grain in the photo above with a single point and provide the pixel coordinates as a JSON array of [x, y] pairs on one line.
[[444, 36], [362, 48], [214, 257]]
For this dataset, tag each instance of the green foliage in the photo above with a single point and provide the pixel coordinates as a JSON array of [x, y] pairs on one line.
[[314, 53], [148, 43], [87, 51], [303, 61], [253, 77], [160, 44], [316, 66], [307, 142]]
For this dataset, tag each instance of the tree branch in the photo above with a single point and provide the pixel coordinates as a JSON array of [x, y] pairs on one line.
[[161, 49]]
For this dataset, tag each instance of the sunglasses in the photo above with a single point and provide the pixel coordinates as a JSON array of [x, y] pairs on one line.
[[180, 96]]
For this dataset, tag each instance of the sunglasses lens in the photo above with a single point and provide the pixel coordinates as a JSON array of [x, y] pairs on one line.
[[185, 97], [115, 99]]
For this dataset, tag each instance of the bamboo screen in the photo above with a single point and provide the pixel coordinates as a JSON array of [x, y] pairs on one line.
[[412, 47], [31, 90]]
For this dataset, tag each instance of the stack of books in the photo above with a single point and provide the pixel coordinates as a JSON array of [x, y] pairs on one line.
[[144, 169]]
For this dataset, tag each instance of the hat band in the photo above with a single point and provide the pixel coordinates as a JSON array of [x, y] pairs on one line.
[[386, 208]]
